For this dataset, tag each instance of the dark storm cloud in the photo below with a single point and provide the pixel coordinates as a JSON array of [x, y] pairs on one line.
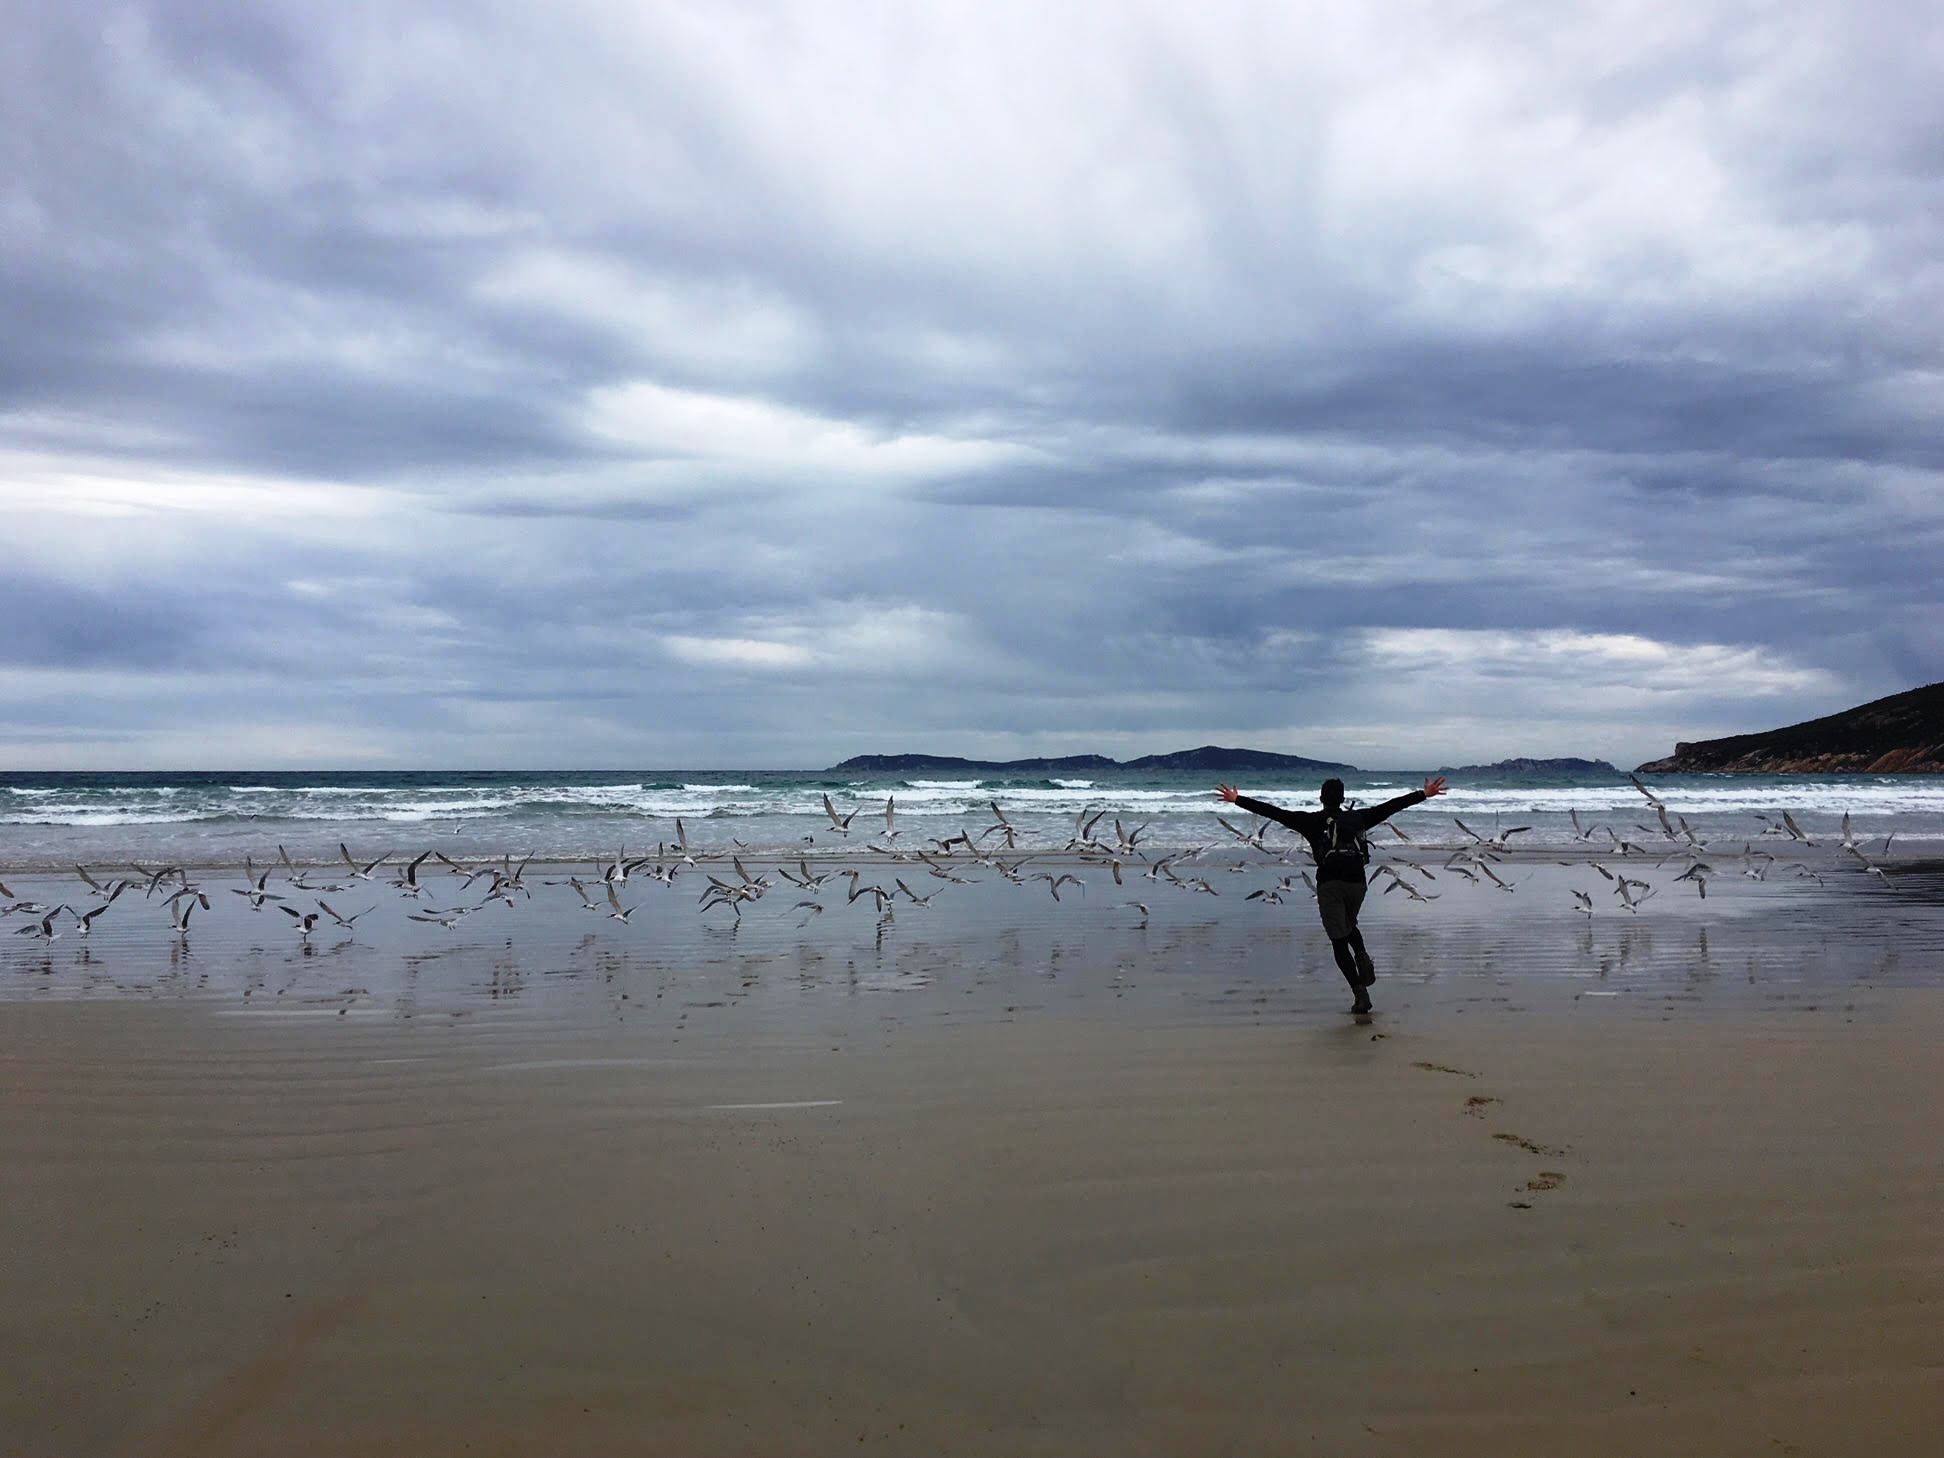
[[460, 383], [53, 624], [1546, 393]]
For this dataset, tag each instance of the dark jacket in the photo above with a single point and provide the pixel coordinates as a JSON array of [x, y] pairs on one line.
[[1314, 827]]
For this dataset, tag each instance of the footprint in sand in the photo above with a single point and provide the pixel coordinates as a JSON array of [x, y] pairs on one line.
[[1476, 1105], [1546, 1179], [1529, 1146]]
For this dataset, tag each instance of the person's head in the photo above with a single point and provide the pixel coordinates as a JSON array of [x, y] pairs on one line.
[[1332, 793]]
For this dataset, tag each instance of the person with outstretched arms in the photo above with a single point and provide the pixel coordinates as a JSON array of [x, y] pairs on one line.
[[1338, 837]]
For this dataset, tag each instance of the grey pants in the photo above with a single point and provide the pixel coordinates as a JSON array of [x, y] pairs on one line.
[[1338, 902]]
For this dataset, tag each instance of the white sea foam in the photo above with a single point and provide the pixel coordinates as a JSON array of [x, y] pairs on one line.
[[102, 817], [1834, 796]]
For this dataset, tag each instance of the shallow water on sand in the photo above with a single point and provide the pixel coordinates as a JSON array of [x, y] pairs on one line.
[[991, 949]]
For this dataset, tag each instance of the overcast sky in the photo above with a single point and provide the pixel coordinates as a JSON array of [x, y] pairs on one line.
[[718, 384]]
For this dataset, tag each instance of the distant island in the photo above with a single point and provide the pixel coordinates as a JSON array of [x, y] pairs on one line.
[[1535, 768], [1209, 759], [1212, 759], [945, 764], [1903, 734]]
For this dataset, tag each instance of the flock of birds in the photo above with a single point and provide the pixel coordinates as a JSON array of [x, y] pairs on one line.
[[1673, 840], [729, 884]]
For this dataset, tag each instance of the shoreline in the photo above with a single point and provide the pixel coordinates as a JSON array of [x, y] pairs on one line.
[[1289, 855]]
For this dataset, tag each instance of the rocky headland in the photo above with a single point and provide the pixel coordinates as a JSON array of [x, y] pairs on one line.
[[1902, 734]]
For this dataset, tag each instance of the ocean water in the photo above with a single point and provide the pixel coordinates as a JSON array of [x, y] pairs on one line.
[[219, 818]]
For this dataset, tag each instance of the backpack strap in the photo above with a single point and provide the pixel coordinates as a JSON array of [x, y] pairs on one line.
[[1358, 844]]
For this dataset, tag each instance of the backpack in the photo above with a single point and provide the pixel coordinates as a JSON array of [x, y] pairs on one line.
[[1344, 838]]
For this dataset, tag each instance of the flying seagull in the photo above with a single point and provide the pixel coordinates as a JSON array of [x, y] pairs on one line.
[[347, 922], [180, 910], [363, 873], [44, 928], [618, 913], [840, 823]]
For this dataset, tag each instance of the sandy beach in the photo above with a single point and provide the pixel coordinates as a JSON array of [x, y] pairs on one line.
[[1052, 1187]]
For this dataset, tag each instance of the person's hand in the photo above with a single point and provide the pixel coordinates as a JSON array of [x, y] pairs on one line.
[[1434, 787], [1227, 792]]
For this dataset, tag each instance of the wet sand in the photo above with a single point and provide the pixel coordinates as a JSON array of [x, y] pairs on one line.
[[1050, 1190]]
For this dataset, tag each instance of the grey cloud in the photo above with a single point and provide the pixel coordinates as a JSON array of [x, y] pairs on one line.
[[1255, 383], [55, 624]]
